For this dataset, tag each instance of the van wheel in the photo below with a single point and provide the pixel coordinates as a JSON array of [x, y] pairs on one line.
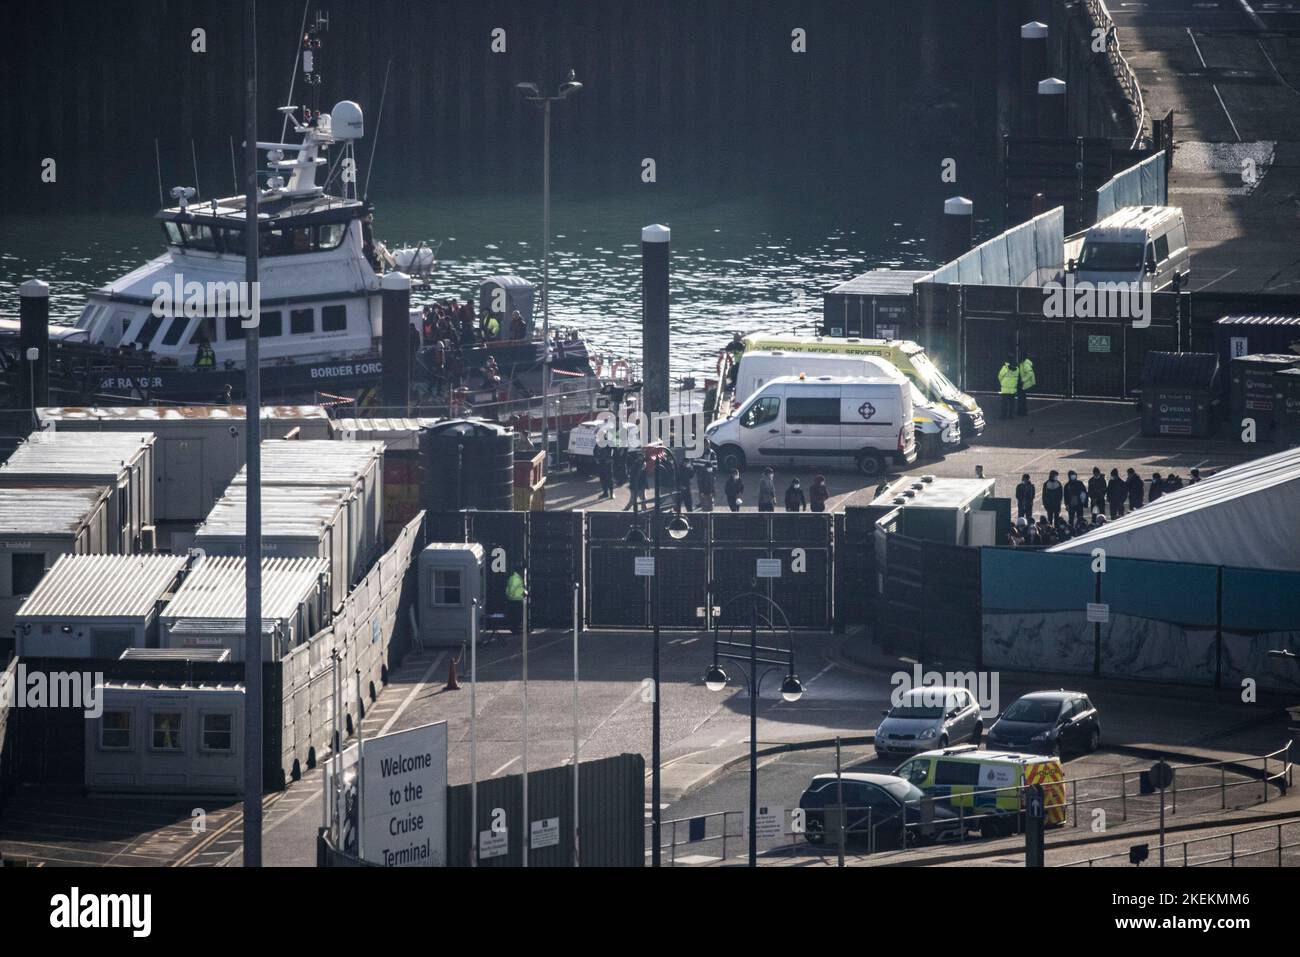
[[871, 464], [1094, 740], [731, 457]]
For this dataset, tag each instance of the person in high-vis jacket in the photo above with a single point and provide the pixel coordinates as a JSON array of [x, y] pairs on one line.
[[1008, 386], [1027, 381], [515, 594]]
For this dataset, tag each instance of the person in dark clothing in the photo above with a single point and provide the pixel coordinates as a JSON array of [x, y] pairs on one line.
[[1097, 490], [1196, 477], [683, 489], [734, 489], [1076, 498], [1135, 489], [1173, 483], [605, 469], [704, 483], [1025, 493], [636, 482], [818, 493], [1157, 487], [794, 497], [1116, 493], [1053, 492], [767, 491]]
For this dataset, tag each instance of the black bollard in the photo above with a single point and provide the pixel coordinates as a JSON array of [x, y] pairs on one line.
[[395, 346], [34, 344], [958, 228], [654, 317], [1051, 107], [1033, 67]]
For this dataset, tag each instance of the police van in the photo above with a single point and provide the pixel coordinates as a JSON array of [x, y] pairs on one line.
[[988, 785], [1136, 244], [821, 421]]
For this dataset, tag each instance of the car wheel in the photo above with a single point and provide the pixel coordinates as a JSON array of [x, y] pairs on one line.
[[1094, 740], [731, 457], [943, 741], [977, 735], [814, 833], [871, 464]]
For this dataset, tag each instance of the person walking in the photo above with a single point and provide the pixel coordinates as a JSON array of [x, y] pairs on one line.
[[1097, 491], [1134, 483], [1025, 493], [1053, 492], [636, 481], [1116, 493], [767, 491], [683, 476], [605, 469], [1076, 498], [1157, 487], [704, 484], [794, 497], [734, 489], [1008, 386], [1027, 381], [818, 493]]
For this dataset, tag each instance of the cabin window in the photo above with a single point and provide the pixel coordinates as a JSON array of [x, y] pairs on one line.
[[148, 330], [234, 328], [165, 731], [329, 235], [270, 326], [28, 570], [761, 412], [302, 322], [175, 331], [446, 587], [1111, 257], [813, 411], [203, 329], [218, 732], [198, 236], [334, 318], [173, 233], [300, 240], [1162, 248], [115, 731]]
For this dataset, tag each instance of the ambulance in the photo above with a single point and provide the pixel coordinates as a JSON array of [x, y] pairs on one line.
[[989, 785], [909, 357]]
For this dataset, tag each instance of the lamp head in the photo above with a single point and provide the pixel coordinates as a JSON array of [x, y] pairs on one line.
[[791, 688], [570, 85], [529, 91], [715, 679]]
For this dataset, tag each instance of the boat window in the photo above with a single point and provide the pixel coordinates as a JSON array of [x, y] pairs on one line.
[[234, 328], [300, 240], [175, 330], [270, 326], [148, 330], [198, 236], [334, 318], [1111, 257], [172, 232], [329, 235], [302, 322], [203, 329]]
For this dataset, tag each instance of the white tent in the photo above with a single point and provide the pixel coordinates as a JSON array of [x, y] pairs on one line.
[[1247, 516]]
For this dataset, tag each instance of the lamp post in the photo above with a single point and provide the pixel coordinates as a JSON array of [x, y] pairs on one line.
[[678, 528], [532, 93], [715, 679]]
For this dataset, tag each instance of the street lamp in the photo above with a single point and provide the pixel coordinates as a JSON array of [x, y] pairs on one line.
[[715, 679], [678, 528], [532, 93]]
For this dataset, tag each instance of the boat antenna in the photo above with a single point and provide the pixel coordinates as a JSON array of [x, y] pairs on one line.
[[157, 162], [370, 166], [194, 159], [293, 73]]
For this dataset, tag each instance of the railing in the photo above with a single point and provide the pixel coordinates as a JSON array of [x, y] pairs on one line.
[[1124, 73], [1256, 839]]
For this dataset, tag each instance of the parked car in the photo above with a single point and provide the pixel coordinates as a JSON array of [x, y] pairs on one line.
[[881, 803], [1048, 722], [927, 718], [986, 788]]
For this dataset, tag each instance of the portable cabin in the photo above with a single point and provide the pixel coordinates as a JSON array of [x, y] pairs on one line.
[[1252, 393], [123, 462], [95, 606], [166, 737], [38, 524], [356, 468], [198, 450], [401, 438], [297, 522], [942, 509], [451, 578], [1179, 393], [208, 609]]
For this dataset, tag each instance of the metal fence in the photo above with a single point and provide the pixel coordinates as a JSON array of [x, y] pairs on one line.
[[1124, 73], [1266, 845]]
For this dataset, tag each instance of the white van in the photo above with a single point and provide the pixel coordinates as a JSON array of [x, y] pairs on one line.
[[819, 421], [938, 428], [1135, 244]]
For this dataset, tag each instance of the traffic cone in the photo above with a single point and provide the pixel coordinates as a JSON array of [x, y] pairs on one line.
[[452, 683]]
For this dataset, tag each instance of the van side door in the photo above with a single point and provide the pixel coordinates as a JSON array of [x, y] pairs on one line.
[[869, 420], [812, 422]]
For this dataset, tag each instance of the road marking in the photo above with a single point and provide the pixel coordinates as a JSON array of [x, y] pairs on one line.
[[1124, 445], [506, 765], [401, 709], [1213, 281], [1075, 438], [1213, 86], [1043, 408]]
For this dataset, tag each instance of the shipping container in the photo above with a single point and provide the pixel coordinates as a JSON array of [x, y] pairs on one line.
[[876, 305], [1244, 335], [96, 606], [1286, 398], [38, 524], [1179, 393], [208, 609], [1252, 393], [297, 522], [401, 438], [123, 462], [198, 450]]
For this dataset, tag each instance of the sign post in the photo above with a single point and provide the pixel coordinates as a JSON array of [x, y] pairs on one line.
[[1035, 819]]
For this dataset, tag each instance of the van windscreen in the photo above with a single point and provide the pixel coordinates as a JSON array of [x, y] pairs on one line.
[[1111, 257]]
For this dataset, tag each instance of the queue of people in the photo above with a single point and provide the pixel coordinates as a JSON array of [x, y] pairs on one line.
[[1087, 504], [696, 485]]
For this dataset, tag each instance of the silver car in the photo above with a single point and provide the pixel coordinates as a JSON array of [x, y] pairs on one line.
[[928, 718]]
